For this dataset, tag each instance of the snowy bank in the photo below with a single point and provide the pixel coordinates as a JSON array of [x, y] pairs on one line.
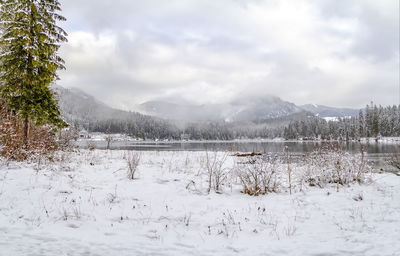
[[84, 204]]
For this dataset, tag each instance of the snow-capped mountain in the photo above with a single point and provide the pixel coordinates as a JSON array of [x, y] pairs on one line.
[[329, 112], [78, 105], [176, 111], [241, 110]]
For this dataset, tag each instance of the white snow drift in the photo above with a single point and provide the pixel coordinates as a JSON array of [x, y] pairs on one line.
[[83, 203]]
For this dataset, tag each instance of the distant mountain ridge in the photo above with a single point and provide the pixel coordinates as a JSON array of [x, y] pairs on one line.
[[261, 108], [79, 106], [255, 109], [325, 111]]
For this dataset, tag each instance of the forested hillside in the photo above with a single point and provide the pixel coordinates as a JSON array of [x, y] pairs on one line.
[[373, 121], [92, 115]]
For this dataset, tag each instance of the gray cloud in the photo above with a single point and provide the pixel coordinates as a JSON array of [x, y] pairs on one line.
[[339, 53]]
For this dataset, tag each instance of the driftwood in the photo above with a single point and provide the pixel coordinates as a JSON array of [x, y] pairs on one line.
[[248, 154]]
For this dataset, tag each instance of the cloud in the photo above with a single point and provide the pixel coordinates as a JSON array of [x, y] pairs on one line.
[[339, 53]]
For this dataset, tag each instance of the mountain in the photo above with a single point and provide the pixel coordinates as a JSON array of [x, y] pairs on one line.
[[325, 111], [82, 109], [78, 106], [253, 118], [244, 110], [267, 107], [185, 112]]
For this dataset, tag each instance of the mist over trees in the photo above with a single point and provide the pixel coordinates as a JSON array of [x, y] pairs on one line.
[[373, 121], [138, 126], [83, 110]]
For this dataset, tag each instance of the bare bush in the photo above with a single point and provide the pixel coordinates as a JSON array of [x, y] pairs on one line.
[[289, 170], [109, 139], [332, 165], [66, 136], [394, 159], [13, 146], [217, 173], [258, 176], [132, 159]]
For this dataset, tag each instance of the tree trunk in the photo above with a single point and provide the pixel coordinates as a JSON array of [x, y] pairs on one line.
[[26, 132]]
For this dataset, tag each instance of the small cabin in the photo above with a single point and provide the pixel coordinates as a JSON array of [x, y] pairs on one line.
[[185, 136], [84, 134]]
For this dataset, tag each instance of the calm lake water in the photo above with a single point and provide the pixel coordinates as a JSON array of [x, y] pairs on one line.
[[296, 147], [377, 153]]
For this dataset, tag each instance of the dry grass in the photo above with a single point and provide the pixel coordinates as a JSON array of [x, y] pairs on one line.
[[133, 159], [41, 139]]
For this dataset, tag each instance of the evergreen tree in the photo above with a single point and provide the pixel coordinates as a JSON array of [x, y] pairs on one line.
[[375, 121], [361, 124], [368, 120], [29, 43]]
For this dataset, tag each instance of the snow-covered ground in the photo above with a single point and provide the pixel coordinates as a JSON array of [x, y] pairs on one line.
[[98, 136], [84, 204], [382, 139]]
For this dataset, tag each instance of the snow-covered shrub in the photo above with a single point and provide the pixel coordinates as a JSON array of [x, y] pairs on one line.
[[40, 142], [109, 139], [133, 159], [332, 165], [216, 170], [258, 176], [394, 159], [66, 136]]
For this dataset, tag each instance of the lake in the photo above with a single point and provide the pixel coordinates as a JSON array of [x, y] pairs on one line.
[[377, 153], [243, 146]]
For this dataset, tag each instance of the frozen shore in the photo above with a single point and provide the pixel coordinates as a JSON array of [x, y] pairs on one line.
[[84, 204]]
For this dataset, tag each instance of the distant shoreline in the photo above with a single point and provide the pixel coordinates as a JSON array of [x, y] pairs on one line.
[[117, 137]]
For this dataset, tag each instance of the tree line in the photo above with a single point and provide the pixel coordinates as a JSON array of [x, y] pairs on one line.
[[373, 121]]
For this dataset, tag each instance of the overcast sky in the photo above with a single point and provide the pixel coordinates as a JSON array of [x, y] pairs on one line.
[[331, 52]]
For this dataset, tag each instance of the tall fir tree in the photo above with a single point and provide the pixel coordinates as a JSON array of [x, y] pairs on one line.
[[368, 119], [29, 43], [375, 121], [361, 124]]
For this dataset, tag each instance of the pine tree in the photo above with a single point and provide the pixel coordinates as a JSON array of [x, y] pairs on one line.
[[29, 43], [368, 120], [361, 124], [375, 121]]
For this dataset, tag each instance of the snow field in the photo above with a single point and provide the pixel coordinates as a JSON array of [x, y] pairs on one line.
[[83, 203]]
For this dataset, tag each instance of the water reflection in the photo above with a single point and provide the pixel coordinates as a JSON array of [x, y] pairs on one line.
[[377, 154], [244, 146]]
